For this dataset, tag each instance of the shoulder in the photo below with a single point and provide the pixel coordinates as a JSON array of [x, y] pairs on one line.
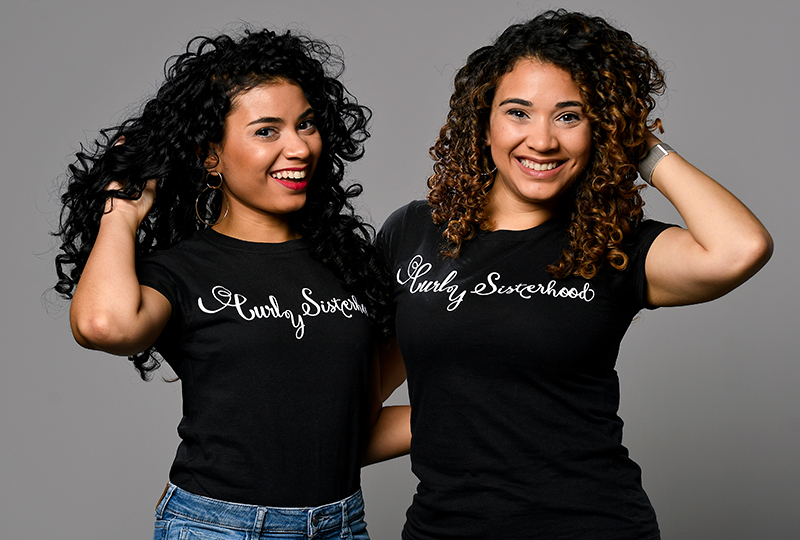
[[415, 210], [414, 214], [643, 236], [637, 245], [179, 248], [410, 223], [174, 261]]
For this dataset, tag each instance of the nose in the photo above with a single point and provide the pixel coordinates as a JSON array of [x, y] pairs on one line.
[[541, 136], [296, 147]]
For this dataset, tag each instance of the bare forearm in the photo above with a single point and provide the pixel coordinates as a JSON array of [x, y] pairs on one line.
[[392, 369], [390, 436], [717, 220]]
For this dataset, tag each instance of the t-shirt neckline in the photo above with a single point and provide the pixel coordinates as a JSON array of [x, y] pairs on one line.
[[506, 235], [255, 247]]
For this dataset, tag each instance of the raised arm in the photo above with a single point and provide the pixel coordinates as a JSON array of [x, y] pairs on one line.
[[722, 246], [110, 311]]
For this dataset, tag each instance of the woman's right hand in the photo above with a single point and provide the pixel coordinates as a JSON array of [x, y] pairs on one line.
[[135, 208]]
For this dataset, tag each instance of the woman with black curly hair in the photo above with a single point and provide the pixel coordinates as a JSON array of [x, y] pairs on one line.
[[213, 231], [516, 282]]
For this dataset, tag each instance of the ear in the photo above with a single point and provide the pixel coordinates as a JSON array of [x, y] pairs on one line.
[[214, 158], [487, 132]]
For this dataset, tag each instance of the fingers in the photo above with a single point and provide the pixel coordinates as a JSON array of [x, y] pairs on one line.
[[140, 205], [149, 187], [114, 185], [651, 139]]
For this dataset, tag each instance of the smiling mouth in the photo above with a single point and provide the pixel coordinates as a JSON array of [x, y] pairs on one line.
[[536, 166], [293, 179], [289, 175]]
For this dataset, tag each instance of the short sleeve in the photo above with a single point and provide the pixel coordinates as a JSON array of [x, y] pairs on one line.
[[639, 246], [153, 272]]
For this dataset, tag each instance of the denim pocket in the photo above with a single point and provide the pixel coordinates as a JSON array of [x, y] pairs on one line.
[[161, 529], [193, 530]]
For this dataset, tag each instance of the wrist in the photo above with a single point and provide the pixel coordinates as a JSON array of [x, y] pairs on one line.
[[654, 155], [118, 214]]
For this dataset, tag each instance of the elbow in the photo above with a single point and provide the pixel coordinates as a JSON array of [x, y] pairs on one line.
[[91, 332], [751, 254], [766, 250], [756, 252], [98, 332]]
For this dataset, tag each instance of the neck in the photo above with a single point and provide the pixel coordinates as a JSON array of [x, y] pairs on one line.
[[254, 231], [520, 217]]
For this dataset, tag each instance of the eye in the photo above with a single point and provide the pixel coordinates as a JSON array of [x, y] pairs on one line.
[[570, 118], [267, 132], [517, 113], [309, 124]]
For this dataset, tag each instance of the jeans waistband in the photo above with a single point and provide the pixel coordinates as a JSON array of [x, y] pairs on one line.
[[258, 519]]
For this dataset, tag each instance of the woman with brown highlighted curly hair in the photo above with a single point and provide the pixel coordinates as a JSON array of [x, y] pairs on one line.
[[515, 283]]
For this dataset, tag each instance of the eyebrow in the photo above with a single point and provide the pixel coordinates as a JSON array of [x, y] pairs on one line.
[[526, 103], [276, 120]]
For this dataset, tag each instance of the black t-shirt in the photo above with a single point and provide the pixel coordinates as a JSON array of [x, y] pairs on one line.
[[512, 385], [273, 356]]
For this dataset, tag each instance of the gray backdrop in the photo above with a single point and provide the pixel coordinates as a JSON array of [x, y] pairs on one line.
[[708, 392]]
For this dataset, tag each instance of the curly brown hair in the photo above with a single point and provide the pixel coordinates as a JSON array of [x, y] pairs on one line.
[[618, 80]]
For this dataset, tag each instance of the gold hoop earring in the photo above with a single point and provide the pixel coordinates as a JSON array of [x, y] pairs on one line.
[[486, 159], [489, 173], [218, 187]]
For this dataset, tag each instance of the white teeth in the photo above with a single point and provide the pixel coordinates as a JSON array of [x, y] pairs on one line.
[[289, 175], [538, 166]]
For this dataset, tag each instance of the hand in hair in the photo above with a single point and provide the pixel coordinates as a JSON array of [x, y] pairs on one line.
[[137, 208]]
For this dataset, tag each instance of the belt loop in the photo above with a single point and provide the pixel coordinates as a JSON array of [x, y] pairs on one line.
[[161, 506], [312, 522], [261, 515], [345, 521]]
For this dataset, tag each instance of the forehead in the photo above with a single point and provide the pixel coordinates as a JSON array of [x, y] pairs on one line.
[[275, 95], [531, 78]]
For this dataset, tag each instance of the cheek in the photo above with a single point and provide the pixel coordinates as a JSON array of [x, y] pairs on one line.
[[235, 155], [497, 131], [582, 147], [498, 154], [501, 138], [316, 148]]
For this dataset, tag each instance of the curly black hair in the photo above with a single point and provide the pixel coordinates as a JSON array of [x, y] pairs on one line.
[[618, 80], [172, 136]]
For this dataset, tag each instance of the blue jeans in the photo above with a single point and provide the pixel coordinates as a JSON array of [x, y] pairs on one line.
[[181, 515]]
